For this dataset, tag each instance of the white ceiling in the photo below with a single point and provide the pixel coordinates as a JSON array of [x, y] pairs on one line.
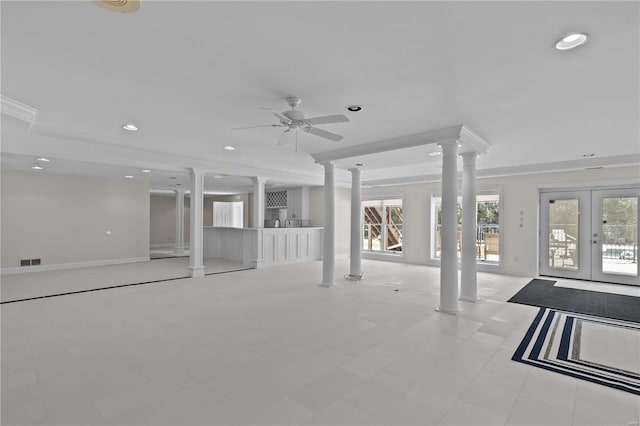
[[187, 72]]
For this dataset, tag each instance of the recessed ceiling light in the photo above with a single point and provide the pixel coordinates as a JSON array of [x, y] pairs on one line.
[[146, 171], [217, 177], [36, 167], [354, 108], [359, 164], [570, 41], [129, 177], [172, 177], [588, 155], [46, 160], [178, 184], [229, 148], [434, 153], [130, 127], [122, 6]]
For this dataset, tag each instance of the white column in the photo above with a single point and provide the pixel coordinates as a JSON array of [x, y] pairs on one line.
[[449, 232], [468, 278], [329, 249], [196, 265], [257, 205], [355, 269], [179, 249]]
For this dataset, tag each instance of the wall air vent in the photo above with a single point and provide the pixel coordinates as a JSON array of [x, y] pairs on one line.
[[35, 262]]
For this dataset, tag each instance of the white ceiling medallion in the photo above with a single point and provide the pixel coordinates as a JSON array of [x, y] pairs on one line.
[[122, 6], [18, 110]]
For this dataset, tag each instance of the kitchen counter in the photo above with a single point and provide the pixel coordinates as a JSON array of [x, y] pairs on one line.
[[260, 247]]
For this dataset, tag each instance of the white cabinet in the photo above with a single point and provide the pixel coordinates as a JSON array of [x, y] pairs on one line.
[[298, 203], [293, 201], [228, 214]]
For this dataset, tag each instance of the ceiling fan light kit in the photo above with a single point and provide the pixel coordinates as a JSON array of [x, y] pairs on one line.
[[297, 119]]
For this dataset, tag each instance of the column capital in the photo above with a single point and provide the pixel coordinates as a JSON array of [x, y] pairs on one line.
[[259, 179], [180, 191], [469, 154], [355, 170], [328, 164], [196, 171], [448, 142]]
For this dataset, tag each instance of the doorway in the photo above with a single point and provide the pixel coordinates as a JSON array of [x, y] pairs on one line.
[[590, 235]]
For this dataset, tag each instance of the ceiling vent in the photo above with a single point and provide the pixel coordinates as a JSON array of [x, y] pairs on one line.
[[122, 6]]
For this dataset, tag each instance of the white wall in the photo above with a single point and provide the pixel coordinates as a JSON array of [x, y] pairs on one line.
[[65, 219], [163, 220], [343, 215], [519, 193]]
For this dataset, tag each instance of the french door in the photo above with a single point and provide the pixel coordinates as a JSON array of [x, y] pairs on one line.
[[590, 235]]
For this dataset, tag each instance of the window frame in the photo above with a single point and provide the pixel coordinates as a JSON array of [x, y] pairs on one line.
[[366, 253], [434, 260]]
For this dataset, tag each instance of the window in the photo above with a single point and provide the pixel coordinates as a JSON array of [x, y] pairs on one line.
[[487, 226], [383, 223]]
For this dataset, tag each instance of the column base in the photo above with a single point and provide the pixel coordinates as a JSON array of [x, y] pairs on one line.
[[178, 251], [196, 271], [447, 311], [469, 299], [355, 276], [328, 285]]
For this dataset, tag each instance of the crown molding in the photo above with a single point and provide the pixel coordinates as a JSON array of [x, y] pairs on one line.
[[471, 142], [18, 110], [167, 160], [527, 169]]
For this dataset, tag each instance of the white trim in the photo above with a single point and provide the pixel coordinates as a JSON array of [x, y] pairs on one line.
[[482, 266], [73, 265], [425, 138], [398, 195], [167, 246], [531, 169], [18, 110]]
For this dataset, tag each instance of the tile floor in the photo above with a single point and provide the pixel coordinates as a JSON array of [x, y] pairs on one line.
[[38, 284], [271, 347]]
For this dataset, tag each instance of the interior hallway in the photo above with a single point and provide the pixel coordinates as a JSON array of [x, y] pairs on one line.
[[270, 346]]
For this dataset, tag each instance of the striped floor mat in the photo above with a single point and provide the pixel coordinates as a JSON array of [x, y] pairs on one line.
[[599, 350]]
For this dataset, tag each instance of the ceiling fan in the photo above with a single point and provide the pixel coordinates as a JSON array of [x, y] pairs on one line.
[[297, 119]]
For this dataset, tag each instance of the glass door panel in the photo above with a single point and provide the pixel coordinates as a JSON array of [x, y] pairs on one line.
[[615, 236], [564, 250], [563, 232]]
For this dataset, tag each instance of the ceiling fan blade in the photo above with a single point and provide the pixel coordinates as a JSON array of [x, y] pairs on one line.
[[323, 133], [253, 127], [277, 114], [338, 118], [283, 140]]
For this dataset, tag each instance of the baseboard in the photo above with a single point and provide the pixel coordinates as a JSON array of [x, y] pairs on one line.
[[166, 246], [73, 265]]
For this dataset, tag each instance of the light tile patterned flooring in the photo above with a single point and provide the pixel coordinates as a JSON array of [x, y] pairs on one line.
[[270, 347]]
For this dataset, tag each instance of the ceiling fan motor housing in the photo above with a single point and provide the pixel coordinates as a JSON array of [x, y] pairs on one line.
[[295, 115]]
